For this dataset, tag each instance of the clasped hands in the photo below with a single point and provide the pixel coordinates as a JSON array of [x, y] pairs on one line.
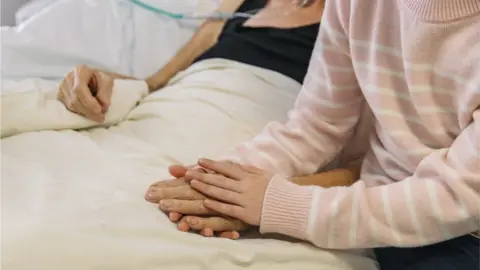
[[216, 198]]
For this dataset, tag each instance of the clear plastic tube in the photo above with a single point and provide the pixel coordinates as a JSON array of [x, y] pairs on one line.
[[213, 15]]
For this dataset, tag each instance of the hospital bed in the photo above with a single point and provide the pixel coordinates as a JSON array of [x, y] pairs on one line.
[[74, 199]]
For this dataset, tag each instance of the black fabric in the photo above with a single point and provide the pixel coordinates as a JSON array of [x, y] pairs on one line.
[[461, 253], [286, 51]]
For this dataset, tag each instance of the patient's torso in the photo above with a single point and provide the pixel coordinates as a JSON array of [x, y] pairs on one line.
[[284, 50]]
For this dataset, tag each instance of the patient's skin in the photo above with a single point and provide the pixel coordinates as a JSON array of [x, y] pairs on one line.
[[189, 201], [291, 16], [77, 92]]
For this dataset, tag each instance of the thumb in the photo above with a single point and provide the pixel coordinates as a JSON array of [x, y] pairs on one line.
[[177, 170], [104, 90]]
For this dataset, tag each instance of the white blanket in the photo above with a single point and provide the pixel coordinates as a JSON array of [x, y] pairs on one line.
[[74, 199]]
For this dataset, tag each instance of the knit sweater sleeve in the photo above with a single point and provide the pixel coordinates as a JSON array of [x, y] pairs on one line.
[[326, 111], [440, 201]]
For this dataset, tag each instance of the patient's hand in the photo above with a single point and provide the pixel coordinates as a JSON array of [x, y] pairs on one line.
[[87, 91], [176, 196]]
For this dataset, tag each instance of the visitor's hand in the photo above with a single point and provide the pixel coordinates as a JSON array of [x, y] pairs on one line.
[[87, 91], [176, 196], [236, 191]]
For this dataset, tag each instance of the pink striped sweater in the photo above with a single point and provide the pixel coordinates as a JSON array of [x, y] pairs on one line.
[[416, 64]]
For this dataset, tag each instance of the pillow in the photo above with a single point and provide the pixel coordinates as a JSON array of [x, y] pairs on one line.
[[108, 34]]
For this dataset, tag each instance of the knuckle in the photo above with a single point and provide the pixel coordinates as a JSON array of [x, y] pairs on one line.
[[175, 205], [225, 224], [190, 194], [159, 184], [197, 195], [178, 181], [158, 193], [199, 207]]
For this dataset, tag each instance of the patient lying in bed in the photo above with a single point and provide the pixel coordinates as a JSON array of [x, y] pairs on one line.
[[85, 187], [282, 44]]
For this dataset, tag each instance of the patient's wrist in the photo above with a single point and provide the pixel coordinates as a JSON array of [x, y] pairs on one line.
[[338, 177], [156, 82], [116, 75]]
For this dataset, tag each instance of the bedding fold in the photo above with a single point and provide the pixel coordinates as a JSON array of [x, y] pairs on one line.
[[39, 109], [75, 199]]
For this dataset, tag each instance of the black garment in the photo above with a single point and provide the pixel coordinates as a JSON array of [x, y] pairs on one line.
[[286, 51], [461, 253]]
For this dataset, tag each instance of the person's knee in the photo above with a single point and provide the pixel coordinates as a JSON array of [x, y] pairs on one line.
[[459, 253]]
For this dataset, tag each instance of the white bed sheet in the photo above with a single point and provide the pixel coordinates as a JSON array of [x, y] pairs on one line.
[[74, 200]]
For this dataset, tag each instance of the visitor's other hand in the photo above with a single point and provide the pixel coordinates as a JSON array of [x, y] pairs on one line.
[[87, 92]]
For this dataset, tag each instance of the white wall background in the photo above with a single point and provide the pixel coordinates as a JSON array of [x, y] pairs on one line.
[[8, 9]]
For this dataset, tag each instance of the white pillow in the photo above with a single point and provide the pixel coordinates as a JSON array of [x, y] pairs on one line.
[[30, 9], [110, 34], [157, 38]]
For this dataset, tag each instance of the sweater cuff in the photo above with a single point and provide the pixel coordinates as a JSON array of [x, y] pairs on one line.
[[286, 208]]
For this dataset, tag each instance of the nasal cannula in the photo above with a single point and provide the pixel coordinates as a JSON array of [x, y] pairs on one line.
[[216, 15]]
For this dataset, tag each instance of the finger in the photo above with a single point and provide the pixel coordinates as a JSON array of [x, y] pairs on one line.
[[251, 169], [207, 232], [218, 224], [177, 170], [234, 211], [186, 207], [183, 225], [64, 93], [80, 108], [104, 90], [217, 180], [229, 235], [169, 183], [93, 109], [174, 216], [72, 87], [217, 193], [152, 192], [227, 168], [184, 192]]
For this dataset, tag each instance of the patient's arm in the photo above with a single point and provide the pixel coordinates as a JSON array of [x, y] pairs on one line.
[[333, 178], [205, 38]]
